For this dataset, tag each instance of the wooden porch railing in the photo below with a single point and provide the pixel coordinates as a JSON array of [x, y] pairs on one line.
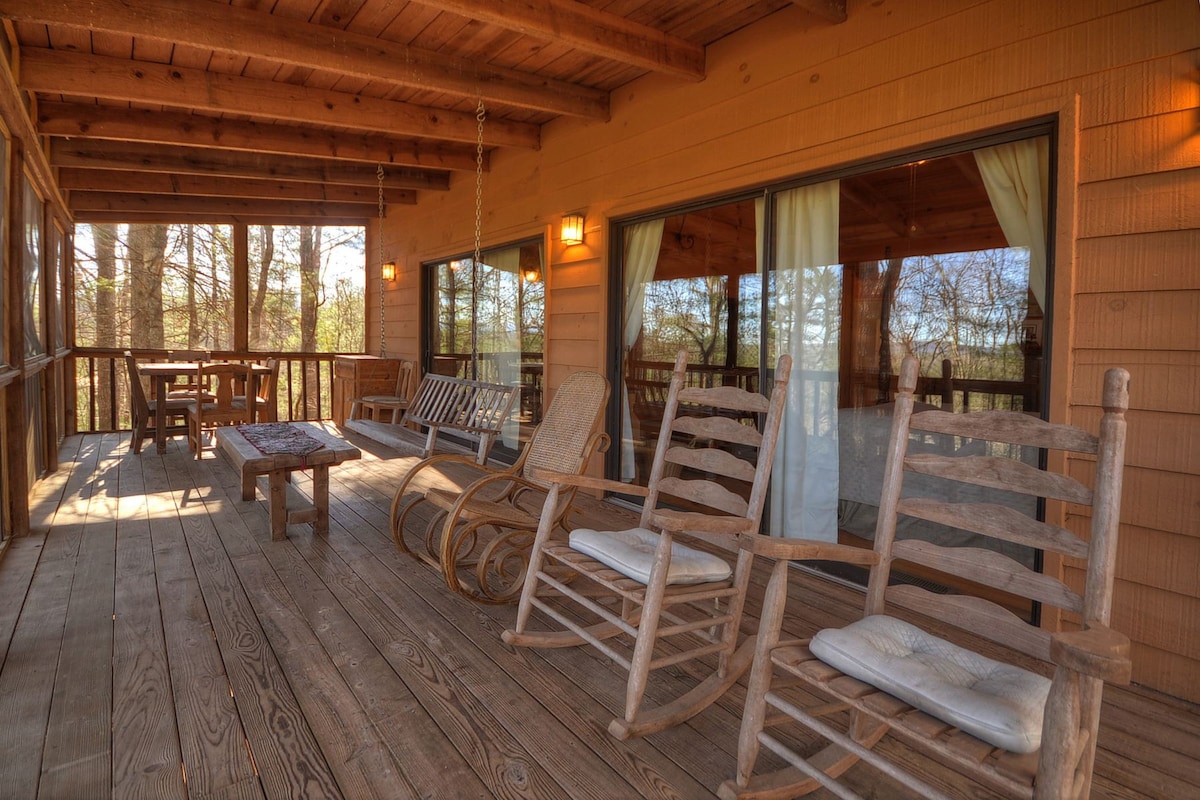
[[101, 393]]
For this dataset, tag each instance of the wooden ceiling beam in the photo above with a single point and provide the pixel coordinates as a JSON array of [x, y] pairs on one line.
[[81, 202], [77, 120], [591, 30], [128, 182], [101, 154], [209, 218], [76, 74], [244, 32]]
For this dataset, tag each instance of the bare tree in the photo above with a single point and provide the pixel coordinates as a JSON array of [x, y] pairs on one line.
[[147, 246], [193, 315], [310, 281], [266, 235], [105, 238]]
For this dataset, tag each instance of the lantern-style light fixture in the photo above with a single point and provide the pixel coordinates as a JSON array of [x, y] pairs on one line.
[[572, 229], [388, 271]]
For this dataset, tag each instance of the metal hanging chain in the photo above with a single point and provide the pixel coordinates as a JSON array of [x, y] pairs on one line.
[[382, 327], [480, 116]]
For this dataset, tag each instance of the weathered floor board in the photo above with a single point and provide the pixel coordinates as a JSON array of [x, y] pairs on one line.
[[155, 643]]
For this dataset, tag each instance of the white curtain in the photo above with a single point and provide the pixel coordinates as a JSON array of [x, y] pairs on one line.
[[1017, 177], [804, 494], [642, 243]]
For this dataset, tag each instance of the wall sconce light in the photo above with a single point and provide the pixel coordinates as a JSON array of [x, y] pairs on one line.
[[572, 229], [388, 271], [531, 274]]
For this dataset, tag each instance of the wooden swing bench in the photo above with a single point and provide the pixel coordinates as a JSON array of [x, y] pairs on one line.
[[475, 410]]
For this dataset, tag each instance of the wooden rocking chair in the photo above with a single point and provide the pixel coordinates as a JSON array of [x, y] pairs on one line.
[[648, 597], [986, 715], [507, 502]]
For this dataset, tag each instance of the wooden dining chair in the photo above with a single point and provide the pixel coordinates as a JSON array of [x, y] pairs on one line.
[[391, 404], [186, 388], [670, 590], [220, 378], [266, 408], [145, 413], [950, 675]]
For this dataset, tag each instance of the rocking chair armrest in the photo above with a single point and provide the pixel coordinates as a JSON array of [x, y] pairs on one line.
[[807, 550], [587, 482], [693, 521], [1098, 651]]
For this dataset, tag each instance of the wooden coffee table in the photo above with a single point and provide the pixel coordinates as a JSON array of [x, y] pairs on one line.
[[252, 462]]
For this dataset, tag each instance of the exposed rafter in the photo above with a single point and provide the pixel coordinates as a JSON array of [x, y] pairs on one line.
[[107, 180], [202, 206], [588, 29], [299, 101], [76, 120], [99, 154], [224, 28], [74, 74]]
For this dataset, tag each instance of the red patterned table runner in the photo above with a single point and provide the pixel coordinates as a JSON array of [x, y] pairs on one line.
[[274, 438]]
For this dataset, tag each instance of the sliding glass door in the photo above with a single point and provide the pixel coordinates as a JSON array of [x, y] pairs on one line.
[[487, 322], [942, 256]]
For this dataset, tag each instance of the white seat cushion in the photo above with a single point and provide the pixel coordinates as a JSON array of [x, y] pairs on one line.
[[999, 703], [631, 553]]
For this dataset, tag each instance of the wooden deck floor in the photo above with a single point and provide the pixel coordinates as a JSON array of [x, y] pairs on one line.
[[156, 643]]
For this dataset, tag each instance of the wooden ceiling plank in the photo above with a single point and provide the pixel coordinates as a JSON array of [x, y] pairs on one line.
[[75, 74], [163, 204], [229, 29], [78, 120], [102, 154], [588, 29], [103, 180], [830, 10]]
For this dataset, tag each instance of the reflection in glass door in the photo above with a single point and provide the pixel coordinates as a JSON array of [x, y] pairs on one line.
[[487, 323]]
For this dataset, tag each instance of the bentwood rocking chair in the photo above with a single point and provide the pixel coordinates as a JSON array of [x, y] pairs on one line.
[[666, 591], [987, 713], [479, 537]]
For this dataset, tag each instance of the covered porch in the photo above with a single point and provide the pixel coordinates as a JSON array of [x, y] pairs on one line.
[[158, 644]]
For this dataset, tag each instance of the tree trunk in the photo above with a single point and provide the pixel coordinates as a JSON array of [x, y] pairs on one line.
[[105, 238], [193, 333], [310, 279], [267, 241], [147, 250]]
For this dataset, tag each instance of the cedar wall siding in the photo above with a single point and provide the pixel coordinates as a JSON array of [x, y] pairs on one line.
[[787, 98]]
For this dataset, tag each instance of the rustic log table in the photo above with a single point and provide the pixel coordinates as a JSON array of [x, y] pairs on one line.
[[276, 449]]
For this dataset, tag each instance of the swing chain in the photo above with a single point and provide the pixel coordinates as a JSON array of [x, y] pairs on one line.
[[480, 116], [382, 327]]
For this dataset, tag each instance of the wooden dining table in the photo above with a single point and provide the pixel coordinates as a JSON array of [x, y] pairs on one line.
[[163, 373]]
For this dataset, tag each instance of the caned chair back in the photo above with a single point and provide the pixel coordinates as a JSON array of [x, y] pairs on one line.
[[561, 442]]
